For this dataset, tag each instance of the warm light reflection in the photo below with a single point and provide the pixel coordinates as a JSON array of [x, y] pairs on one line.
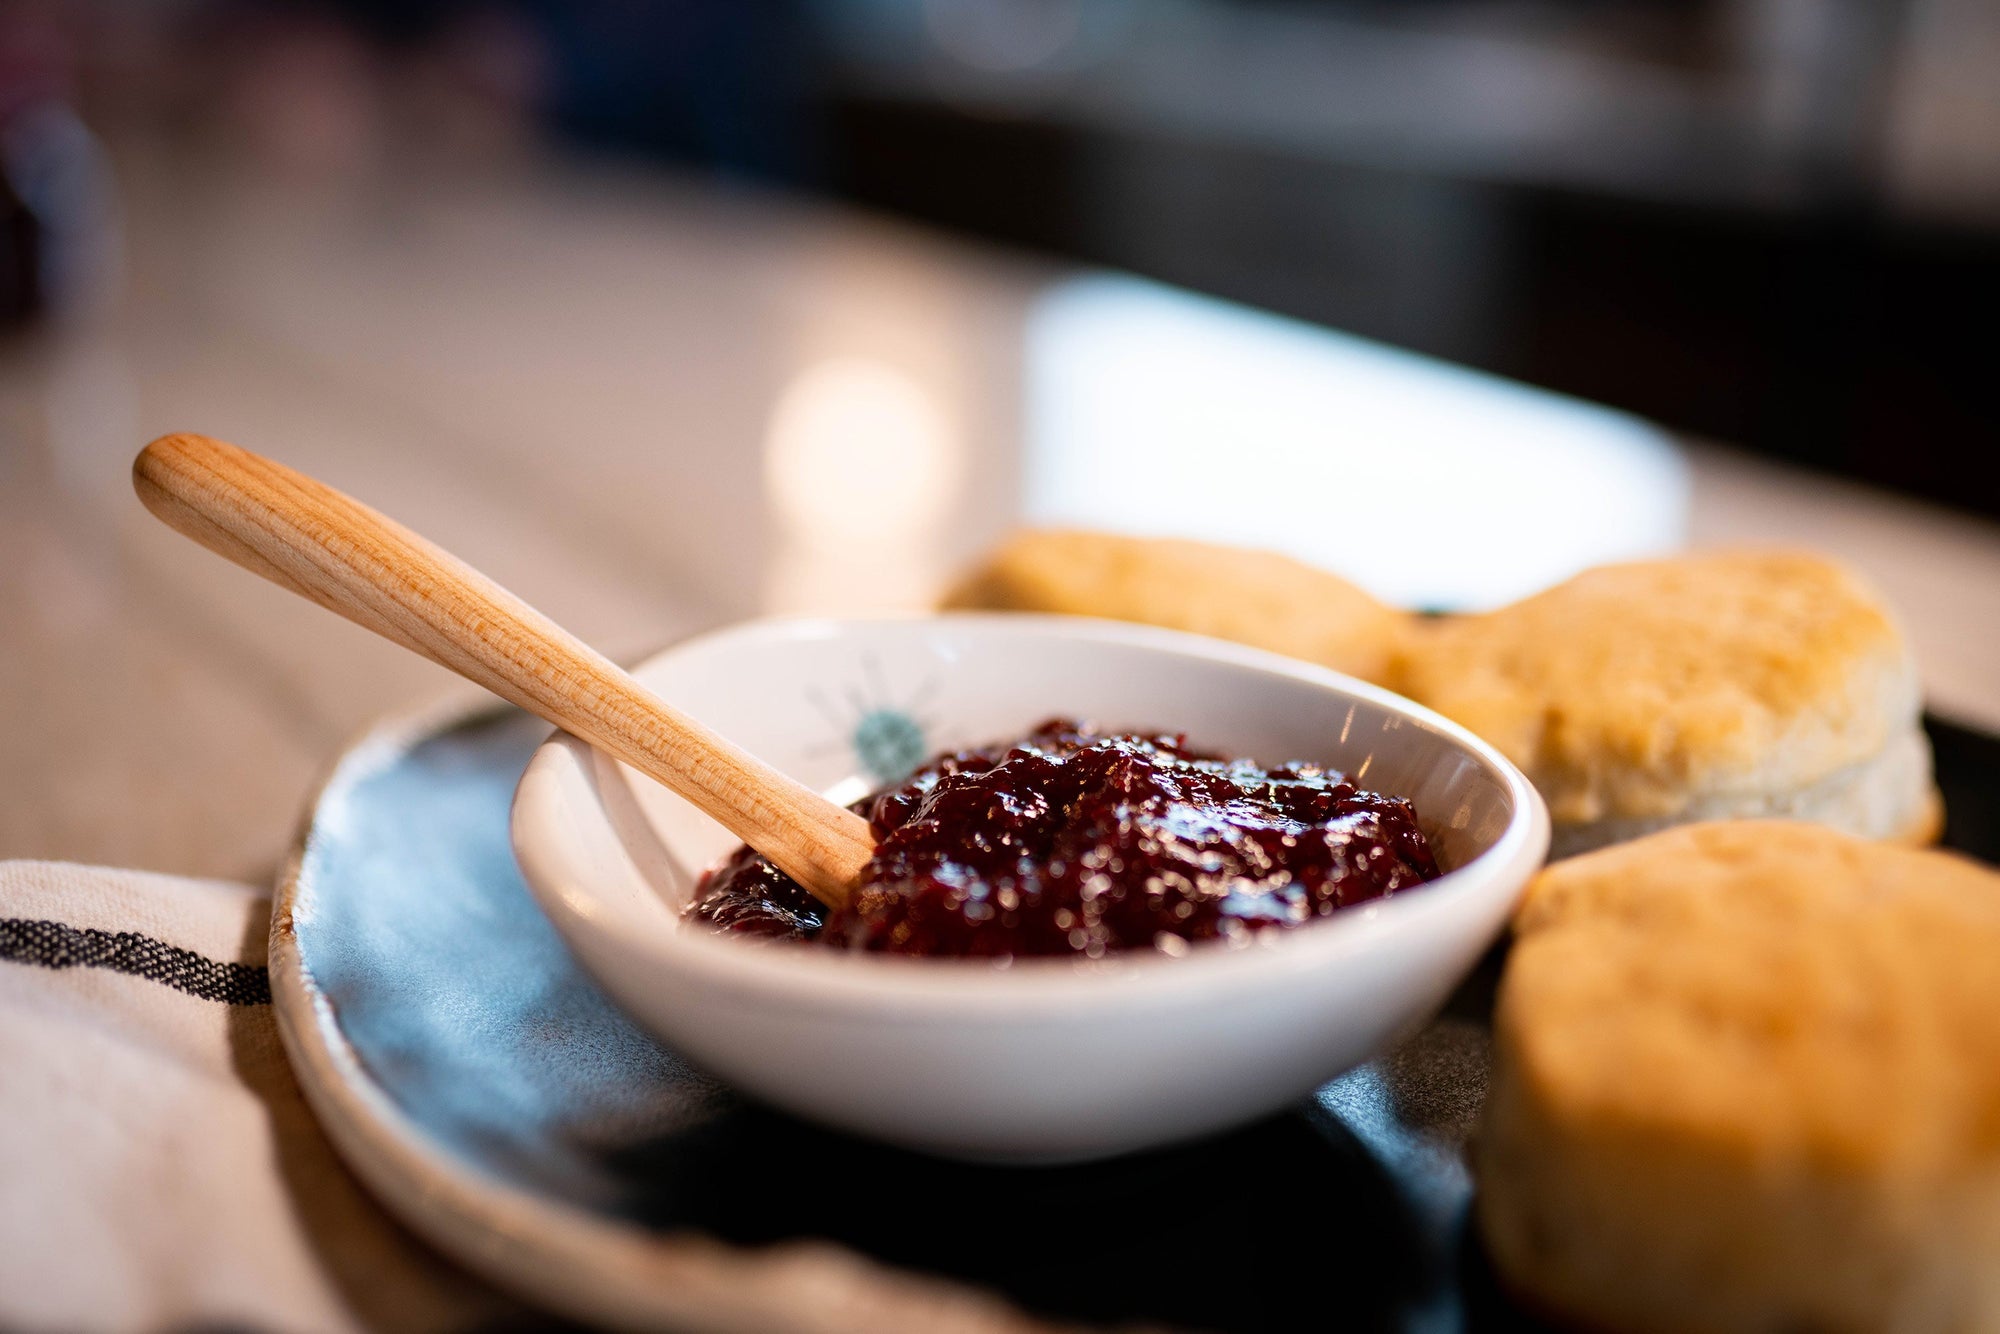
[[1155, 412], [861, 465], [857, 448]]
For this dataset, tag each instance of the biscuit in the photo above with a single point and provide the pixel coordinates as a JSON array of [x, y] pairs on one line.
[[1741, 684], [1252, 597], [1747, 1078]]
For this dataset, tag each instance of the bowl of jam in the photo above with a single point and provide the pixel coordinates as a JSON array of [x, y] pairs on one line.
[[1129, 885], [1077, 841]]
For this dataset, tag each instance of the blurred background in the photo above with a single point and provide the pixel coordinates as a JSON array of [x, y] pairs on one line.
[[668, 312], [1775, 222]]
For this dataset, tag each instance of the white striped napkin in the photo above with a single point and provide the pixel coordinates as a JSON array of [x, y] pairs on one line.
[[158, 1168]]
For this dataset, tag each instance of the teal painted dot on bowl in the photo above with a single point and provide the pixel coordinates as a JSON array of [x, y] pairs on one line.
[[890, 744]]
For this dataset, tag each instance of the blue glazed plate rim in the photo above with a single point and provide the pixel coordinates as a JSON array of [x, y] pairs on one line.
[[555, 1254]]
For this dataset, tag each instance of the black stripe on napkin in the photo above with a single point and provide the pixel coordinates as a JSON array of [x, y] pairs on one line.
[[55, 945]]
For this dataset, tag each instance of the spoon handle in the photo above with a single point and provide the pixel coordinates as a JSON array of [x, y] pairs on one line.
[[322, 545]]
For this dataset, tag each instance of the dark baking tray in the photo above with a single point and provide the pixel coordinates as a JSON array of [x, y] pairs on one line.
[[1347, 1212]]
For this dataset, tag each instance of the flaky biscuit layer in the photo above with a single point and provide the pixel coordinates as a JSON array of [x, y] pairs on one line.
[[1638, 691], [1888, 796], [1257, 598], [1748, 1078]]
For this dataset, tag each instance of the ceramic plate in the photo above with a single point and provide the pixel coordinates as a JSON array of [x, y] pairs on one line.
[[498, 1103]]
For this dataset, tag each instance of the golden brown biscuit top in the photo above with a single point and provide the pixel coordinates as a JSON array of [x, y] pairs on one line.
[[1633, 690], [1252, 597], [1774, 991]]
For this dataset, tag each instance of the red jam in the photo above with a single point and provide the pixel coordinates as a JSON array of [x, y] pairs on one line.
[[1071, 842]]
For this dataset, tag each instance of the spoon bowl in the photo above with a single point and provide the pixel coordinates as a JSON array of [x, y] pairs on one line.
[[1038, 1060]]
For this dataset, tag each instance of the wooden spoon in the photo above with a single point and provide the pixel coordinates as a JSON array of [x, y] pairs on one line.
[[324, 546]]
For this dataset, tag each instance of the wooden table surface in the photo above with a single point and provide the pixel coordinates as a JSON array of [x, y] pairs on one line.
[[566, 374]]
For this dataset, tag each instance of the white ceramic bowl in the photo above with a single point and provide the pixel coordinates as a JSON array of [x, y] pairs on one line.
[[1043, 1060]]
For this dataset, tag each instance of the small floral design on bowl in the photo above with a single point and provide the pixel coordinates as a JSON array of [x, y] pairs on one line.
[[888, 740], [890, 744]]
